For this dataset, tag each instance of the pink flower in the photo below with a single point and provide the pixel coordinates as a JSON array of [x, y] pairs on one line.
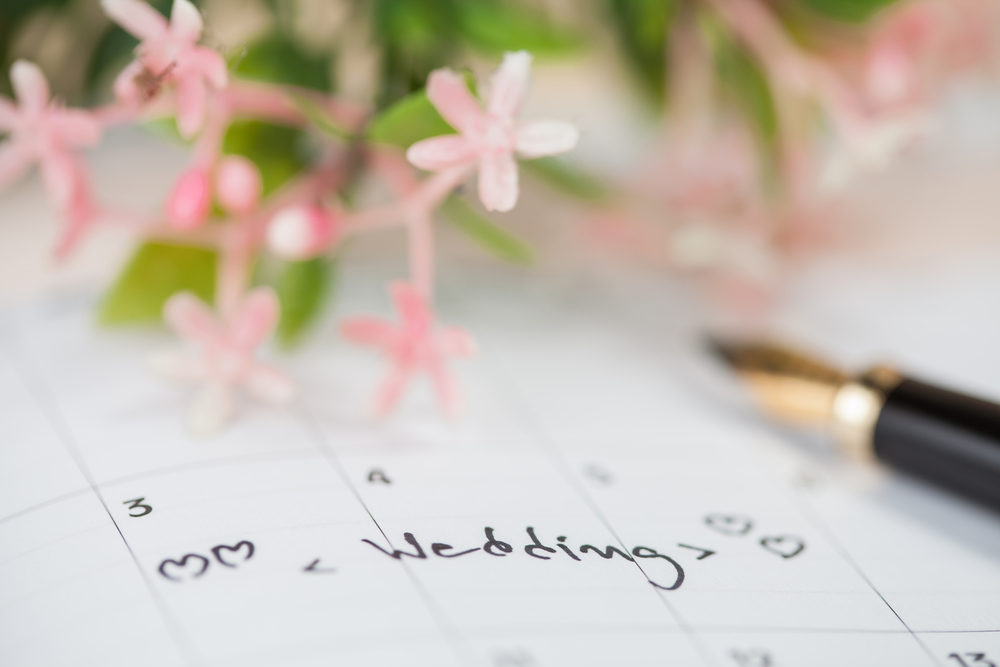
[[238, 185], [303, 231], [412, 346], [489, 138], [169, 52], [225, 357], [189, 201], [44, 132]]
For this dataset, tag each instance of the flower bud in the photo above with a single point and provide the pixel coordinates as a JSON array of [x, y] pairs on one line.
[[238, 185], [301, 232], [189, 201]]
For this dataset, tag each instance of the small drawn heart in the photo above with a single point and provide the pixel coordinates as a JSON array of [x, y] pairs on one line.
[[217, 552], [729, 524], [786, 546], [181, 568]]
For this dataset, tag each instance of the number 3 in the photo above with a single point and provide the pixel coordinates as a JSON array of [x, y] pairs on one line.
[[137, 504]]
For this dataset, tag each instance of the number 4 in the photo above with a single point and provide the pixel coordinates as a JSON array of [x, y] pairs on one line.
[[972, 660], [137, 504]]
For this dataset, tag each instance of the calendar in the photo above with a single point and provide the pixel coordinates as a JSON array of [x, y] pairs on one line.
[[607, 497]]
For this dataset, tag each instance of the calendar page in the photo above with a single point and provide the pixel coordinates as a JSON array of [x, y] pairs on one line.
[[607, 497]]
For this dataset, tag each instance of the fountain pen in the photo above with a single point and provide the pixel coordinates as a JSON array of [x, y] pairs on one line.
[[941, 436]]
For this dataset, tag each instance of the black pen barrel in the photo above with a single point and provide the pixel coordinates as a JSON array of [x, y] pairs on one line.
[[944, 437]]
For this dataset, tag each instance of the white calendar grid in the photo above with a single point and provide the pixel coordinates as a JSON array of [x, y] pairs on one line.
[[573, 427]]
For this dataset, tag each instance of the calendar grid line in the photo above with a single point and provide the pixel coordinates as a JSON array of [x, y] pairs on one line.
[[166, 470], [46, 503], [33, 379], [818, 522], [446, 627], [558, 460]]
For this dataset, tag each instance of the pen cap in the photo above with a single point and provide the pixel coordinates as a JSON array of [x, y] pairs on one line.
[[947, 438]]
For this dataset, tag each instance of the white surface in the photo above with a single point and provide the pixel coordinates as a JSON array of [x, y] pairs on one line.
[[591, 414]]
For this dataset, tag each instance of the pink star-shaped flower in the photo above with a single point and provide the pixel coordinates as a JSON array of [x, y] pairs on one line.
[[412, 346], [226, 355], [44, 132], [169, 52], [489, 138]]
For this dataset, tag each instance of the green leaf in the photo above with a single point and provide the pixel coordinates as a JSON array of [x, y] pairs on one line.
[[850, 11], [320, 118], [156, 272], [276, 59], [744, 84], [302, 288], [562, 176], [275, 149], [643, 27], [411, 119], [415, 36], [495, 27], [487, 234], [408, 121]]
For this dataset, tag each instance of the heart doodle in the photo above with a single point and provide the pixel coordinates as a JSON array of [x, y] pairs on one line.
[[217, 552], [786, 546], [182, 564], [729, 524]]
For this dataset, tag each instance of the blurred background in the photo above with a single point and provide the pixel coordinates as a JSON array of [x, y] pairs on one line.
[[738, 150]]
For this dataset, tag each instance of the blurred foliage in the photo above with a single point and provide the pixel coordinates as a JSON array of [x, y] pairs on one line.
[[279, 152], [411, 38], [643, 27], [485, 233], [275, 58], [742, 82], [417, 36], [156, 271], [302, 289], [561, 176], [852, 11]]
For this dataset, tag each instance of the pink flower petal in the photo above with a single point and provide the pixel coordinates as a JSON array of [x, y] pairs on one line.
[[238, 185], [498, 189], [392, 388], [185, 22], [269, 384], [545, 137], [15, 159], [191, 318], [412, 306], [510, 84], [188, 203], [74, 128], [8, 115], [453, 100], [456, 342], [30, 86], [444, 385], [137, 17], [191, 99], [368, 331], [79, 214], [61, 176], [255, 320], [442, 152], [213, 407], [210, 64], [125, 87], [303, 231], [177, 365]]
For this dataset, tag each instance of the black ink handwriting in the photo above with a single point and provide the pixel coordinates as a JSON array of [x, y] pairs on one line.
[[137, 504]]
